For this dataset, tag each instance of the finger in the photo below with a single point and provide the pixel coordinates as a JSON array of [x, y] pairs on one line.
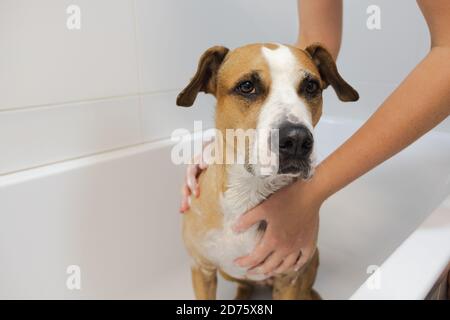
[[191, 178], [185, 191], [304, 257], [259, 254], [247, 220], [200, 167], [185, 199], [203, 164], [269, 265], [287, 264], [207, 157]]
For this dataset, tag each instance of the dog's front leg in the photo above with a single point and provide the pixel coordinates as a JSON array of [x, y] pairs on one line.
[[297, 285], [204, 281]]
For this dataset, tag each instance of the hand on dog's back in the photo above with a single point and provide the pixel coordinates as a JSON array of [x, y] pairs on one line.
[[190, 185]]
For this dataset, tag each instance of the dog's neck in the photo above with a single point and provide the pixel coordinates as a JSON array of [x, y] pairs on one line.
[[243, 190], [240, 190]]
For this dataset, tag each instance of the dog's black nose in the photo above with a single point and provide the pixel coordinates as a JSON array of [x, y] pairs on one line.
[[296, 141]]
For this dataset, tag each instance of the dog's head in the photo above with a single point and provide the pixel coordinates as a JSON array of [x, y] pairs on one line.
[[270, 88]]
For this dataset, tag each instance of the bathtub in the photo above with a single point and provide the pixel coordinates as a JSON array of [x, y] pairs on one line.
[[115, 216]]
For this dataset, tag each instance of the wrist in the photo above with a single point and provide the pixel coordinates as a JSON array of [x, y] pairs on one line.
[[331, 44], [317, 187]]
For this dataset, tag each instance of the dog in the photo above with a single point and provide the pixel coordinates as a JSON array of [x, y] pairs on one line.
[[263, 86]]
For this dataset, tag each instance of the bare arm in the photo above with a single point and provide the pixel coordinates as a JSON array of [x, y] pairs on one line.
[[420, 103], [320, 21]]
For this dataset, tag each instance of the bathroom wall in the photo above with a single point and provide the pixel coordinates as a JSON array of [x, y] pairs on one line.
[[65, 94]]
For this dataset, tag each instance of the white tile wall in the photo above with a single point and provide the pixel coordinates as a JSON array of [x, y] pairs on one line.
[[160, 115], [386, 55], [43, 65], [42, 62], [66, 94], [371, 96], [172, 34], [38, 136]]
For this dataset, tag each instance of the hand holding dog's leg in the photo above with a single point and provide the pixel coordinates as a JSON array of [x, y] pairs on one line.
[[297, 285], [292, 217]]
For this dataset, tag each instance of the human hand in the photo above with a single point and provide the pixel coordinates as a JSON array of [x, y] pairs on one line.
[[190, 185], [193, 171], [292, 216]]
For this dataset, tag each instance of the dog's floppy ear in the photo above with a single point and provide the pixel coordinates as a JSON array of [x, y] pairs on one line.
[[329, 73], [205, 78]]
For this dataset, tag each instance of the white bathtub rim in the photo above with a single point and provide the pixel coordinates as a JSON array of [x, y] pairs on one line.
[[426, 253], [109, 155], [91, 160]]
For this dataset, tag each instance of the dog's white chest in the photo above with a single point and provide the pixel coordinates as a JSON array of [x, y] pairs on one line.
[[245, 191], [223, 246]]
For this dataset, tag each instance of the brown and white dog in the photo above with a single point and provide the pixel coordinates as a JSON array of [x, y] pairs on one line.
[[257, 86]]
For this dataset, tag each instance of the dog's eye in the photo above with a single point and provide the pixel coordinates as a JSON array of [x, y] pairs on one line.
[[311, 87], [246, 87]]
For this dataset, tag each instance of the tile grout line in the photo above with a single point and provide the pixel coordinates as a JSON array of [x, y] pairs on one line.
[[90, 100], [70, 159], [154, 141]]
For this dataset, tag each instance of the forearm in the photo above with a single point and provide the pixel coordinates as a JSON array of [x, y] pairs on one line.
[[320, 21], [420, 103]]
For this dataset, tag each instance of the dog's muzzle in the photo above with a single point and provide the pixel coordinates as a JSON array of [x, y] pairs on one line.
[[294, 150]]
